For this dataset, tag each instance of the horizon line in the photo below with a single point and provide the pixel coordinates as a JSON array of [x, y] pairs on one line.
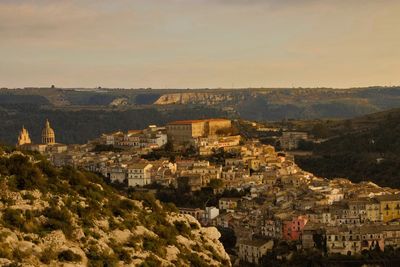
[[198, 88]]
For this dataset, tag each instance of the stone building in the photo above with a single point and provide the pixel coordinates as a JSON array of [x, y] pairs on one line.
[[251, 251], [347, 240], [389, 207], [291, 140], [293, 227], [139, 174], [186, 131], [228, 203]]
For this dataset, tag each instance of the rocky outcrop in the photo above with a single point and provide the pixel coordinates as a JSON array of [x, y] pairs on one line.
[[122, 101], [195, 98], [66, 218]]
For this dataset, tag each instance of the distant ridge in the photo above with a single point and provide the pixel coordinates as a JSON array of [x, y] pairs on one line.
[[97, 110]]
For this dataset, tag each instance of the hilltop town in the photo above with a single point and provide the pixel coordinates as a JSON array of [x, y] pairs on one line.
[[239, 185]]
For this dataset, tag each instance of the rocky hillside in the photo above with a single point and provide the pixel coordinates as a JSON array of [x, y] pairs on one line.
[[68, 217]]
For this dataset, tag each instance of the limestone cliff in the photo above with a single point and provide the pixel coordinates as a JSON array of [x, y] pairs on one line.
[[66, 217], [198, 98]]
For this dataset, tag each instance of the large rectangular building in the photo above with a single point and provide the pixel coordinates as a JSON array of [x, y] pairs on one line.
[[291, 140], [186, 131]]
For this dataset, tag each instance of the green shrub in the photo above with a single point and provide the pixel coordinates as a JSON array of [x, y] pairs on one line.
[[195, 260], [48, 255], [148, 199], [3, 235], [194, 226], [5, 251], [27, 175], [150, 261], [19, 255], [167, 232], [13, 218], [154, 219], [58, 219], [182, 228], [130, 222], [99, 258], [69, 255], [28, 196], [133, 242], [196, 247], [127, 204], [122, 253], [214, 253], [170, 207], [154, 245], [116, 209], [47, 168]]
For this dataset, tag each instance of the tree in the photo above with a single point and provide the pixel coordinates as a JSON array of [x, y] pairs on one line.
[[169, 147], [306, 145], [320, 130], [216, 183]]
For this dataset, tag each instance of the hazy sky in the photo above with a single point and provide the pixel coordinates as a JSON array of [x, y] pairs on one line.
[[199, 43]]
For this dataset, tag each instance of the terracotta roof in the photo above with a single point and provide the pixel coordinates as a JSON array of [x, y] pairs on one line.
[[186, 122], [138, 165], [392, 197], [218, 119], [195, 121], [230, 198], [254, 242], [134, 131]]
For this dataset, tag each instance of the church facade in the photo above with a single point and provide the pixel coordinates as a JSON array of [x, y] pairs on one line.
[[23, 138]]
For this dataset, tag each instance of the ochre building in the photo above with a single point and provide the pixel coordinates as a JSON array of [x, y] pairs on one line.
[[186, 131]]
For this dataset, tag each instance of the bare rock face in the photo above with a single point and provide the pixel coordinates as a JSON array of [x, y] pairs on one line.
[[119, 102], [56, 239], [211, 232], [194, 98]]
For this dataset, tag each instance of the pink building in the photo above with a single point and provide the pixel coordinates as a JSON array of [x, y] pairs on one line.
[[292, 228]]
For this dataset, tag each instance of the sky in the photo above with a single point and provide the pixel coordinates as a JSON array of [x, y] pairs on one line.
[[199, 43]]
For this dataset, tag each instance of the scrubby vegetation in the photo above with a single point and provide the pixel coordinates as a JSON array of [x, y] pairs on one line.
[[69, 256], [44, 205], [361, 155]]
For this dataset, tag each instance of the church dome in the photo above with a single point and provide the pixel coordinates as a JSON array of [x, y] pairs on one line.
[[48, 135]]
